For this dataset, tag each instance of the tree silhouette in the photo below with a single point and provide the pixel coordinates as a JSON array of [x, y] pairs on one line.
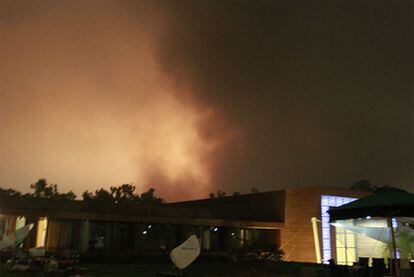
[[124, 194], [219, 194], [43, 190], [102, 195], [49, 191], [149, 197], [87, 196], [364, 185], [66, 196], [9, 192]]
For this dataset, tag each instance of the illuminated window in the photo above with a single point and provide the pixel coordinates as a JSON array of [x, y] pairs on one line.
[[328, 201], [41, 232], [345, 246]]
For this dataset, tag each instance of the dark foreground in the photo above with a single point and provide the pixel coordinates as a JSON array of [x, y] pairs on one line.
[[200, 269]]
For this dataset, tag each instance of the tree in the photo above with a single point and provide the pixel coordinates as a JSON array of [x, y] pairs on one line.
[[9, 192], [87, 196], [102, 195], [149, 197], [221, 193], [124, 194], [49, 191], [405, 242], [364, 185], [43, 190], [65, 196], [218, 194]]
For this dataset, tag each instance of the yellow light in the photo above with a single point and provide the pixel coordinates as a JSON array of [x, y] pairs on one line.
[[41, 232]]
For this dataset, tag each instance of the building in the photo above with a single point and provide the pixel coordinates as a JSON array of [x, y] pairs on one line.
[[277, 218]]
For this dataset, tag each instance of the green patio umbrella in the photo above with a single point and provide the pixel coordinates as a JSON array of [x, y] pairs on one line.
[[386, 202]]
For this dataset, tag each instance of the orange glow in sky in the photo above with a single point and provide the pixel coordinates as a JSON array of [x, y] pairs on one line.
[[84, 105], [191, 98]]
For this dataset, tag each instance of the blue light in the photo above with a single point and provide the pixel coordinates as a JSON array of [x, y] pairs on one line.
[[394, 224], [328, 201]]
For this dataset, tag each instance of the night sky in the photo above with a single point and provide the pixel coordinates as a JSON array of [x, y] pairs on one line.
[[195, 97]]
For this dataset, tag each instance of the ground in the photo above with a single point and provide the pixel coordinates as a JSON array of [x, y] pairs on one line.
[[197, 269]]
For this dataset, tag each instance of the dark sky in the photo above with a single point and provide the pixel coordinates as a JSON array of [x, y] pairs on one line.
[[192, 97]]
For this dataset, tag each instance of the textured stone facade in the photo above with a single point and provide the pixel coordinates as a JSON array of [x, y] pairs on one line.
[[301, 204]]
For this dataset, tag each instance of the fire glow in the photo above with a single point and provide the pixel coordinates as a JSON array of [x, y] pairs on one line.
[[88, 111]]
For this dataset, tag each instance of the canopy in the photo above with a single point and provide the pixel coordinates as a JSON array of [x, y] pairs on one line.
[[385, 202]]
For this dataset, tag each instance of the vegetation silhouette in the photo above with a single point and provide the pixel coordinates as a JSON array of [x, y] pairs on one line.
[[41, 190], [118, 195], [49, 191], [124, 194], [221, 194], [364, 185]]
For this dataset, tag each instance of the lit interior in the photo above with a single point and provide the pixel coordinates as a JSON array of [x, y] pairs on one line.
[[41, 232], [346, 241]]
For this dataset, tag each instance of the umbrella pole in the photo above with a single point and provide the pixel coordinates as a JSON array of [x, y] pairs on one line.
[[394, 248]]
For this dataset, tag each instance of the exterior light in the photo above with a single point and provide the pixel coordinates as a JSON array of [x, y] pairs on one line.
[[215, 229], [145, 232], [368, 217]]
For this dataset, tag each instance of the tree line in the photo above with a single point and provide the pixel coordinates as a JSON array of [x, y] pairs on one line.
[[362, 185], [126, 193], [123, 194]]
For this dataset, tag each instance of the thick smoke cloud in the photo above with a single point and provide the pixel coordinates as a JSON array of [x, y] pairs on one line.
[[193, 97], [320, 93], [83, 102]]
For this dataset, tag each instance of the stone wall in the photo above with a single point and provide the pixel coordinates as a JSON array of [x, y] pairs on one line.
[[301, 205]]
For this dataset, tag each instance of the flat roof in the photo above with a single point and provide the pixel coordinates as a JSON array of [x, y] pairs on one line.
[[162, 214]]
